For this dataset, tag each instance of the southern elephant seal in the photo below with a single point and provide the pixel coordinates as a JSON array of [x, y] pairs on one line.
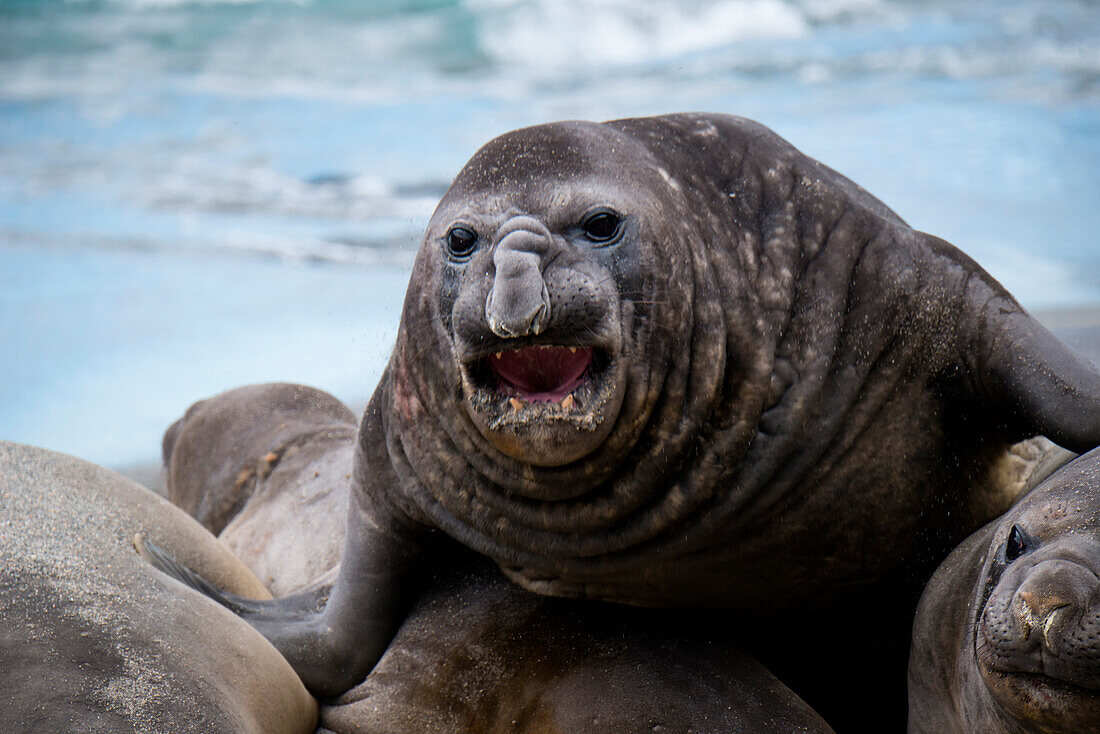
[[672, 361], [475, 653], [1007, 634], [93, 640]]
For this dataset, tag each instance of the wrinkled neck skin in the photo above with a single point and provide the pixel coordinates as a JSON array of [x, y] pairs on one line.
[[769, 319]]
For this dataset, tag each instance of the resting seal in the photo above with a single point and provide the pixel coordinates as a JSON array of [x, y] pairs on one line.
[[93, 640], [673, 361], [1007, 634], [267, 468]]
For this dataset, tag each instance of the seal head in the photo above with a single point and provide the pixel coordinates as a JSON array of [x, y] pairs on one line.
[[1038, 638], [545, 380], [547, 251], [1007, 636]]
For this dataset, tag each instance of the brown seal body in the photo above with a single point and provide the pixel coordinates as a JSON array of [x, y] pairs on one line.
[[92, 639], [672, 361], [267, 468], [1007, 635], [477, 653]]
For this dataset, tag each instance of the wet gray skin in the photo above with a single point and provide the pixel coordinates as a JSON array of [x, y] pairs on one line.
[[1007, 636], [754, 389]]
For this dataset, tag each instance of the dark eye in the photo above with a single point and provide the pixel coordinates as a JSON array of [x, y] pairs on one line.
[[601, 226], [461, 241], [1016, 544]]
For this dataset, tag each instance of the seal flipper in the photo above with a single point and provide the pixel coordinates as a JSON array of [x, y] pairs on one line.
[[1045, 385], [332, 648], [290, 607]]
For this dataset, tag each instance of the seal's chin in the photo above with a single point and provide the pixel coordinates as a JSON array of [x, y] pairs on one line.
[[1050, 703], [544, 404], [1028, 694]]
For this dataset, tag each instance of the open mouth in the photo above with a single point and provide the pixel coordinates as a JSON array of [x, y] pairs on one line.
[[539, 380], [541, 374], [544, 404]]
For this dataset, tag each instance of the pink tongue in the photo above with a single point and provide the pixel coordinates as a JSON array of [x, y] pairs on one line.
[[541, 373]]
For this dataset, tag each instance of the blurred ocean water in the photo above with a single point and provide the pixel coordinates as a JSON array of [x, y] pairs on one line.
[[196, 194]]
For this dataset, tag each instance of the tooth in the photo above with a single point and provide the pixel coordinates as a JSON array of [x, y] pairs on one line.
[[567, 402], [516, 403], [572, 350], [498, 354]]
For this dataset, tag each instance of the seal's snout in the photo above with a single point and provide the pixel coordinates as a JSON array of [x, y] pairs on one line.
[[519, 302], [511, 314], [1047, 599], [1036, 633]]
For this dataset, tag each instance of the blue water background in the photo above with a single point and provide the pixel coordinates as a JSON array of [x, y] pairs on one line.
[[196, 195]]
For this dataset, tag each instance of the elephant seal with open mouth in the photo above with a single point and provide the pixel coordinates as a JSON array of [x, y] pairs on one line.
[[672, 361], [1007, 636]]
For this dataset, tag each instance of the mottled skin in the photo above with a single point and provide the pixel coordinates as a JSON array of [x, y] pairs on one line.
[[793, 397], [1007, 635]]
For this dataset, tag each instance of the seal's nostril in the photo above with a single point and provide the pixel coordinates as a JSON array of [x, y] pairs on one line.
[[1038, 605], [538, 321]]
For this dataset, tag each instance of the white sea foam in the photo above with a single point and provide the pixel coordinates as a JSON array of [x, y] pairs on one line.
[[201, 184], [831, 11], [161, 4], [519, 47], [548, 34]]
